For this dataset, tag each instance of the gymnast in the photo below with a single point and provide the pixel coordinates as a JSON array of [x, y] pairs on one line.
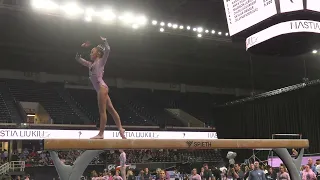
[[99, 56], [123, 166]]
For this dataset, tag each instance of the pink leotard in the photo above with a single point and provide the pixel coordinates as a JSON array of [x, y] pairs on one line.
[[123, 159], [96, 69], [117, 177]]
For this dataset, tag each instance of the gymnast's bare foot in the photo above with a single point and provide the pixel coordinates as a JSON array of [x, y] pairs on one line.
[[121, 131], [98, 137]]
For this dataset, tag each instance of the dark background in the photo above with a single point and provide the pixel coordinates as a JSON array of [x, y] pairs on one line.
[[296, 112], [35, 42]]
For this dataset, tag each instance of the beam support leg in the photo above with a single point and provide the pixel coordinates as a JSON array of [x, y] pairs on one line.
[[293, 164], [67, 172]]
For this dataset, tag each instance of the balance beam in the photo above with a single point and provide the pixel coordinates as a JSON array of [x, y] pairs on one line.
[[100, 144]]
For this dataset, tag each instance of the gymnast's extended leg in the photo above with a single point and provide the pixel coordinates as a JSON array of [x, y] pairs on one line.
[[123, 166], [115, 116], [102, 104], [123, 172]]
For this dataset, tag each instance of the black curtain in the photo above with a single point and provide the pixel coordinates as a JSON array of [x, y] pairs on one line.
[[295, 112]]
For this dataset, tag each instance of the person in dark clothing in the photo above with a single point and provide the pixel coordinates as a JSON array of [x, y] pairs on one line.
[[201, 173], [207, 174], [271, 175], [130, 175], [231, 174], [235, 172], [257, 173], [147, 175], [216, 173], [158, 173], [247, 171], [141, 175], [239, 172]]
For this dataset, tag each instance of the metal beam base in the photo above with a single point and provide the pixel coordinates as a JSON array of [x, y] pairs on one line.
[[67, 172], [293, 164]]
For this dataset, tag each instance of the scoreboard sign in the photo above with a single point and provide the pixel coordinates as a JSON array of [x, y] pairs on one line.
[[242, 14], [313, 5], [290, 5]]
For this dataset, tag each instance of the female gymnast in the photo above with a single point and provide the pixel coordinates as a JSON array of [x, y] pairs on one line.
[[123, 166], [99, 56]]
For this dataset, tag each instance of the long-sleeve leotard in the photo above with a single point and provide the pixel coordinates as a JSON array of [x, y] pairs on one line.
[[96, 69]]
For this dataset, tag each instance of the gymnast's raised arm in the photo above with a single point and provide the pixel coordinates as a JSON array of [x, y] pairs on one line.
[[106, 48], [82, 61]]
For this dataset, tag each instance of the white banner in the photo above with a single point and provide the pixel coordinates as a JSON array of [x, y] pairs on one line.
[[290, 5], [313, 5], [38, 134], [242, 14], [283, 28], [111, 167]]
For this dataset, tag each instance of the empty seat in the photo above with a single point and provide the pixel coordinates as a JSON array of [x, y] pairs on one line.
[[46, 95], [5, 116]]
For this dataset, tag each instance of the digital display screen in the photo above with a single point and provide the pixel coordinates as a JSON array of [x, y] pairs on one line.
[[290, 5], [242, 14], [313, 5]]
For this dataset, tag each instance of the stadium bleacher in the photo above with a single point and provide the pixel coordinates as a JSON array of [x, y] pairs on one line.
[[79, 106], [137, 107], [4, 112], [47, 96], [41, 158], [87, 101], [11, 106]]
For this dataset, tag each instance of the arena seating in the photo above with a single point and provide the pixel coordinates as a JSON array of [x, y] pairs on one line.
[[4, 112], [41, 158], [135, 106], [87, 101], [147, 107], [153, 103], [47, 96], [144, 102], [138, 156]]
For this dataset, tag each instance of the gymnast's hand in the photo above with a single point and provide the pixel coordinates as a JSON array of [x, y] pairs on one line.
[[103, 38], [86, 44], [78, 56]]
